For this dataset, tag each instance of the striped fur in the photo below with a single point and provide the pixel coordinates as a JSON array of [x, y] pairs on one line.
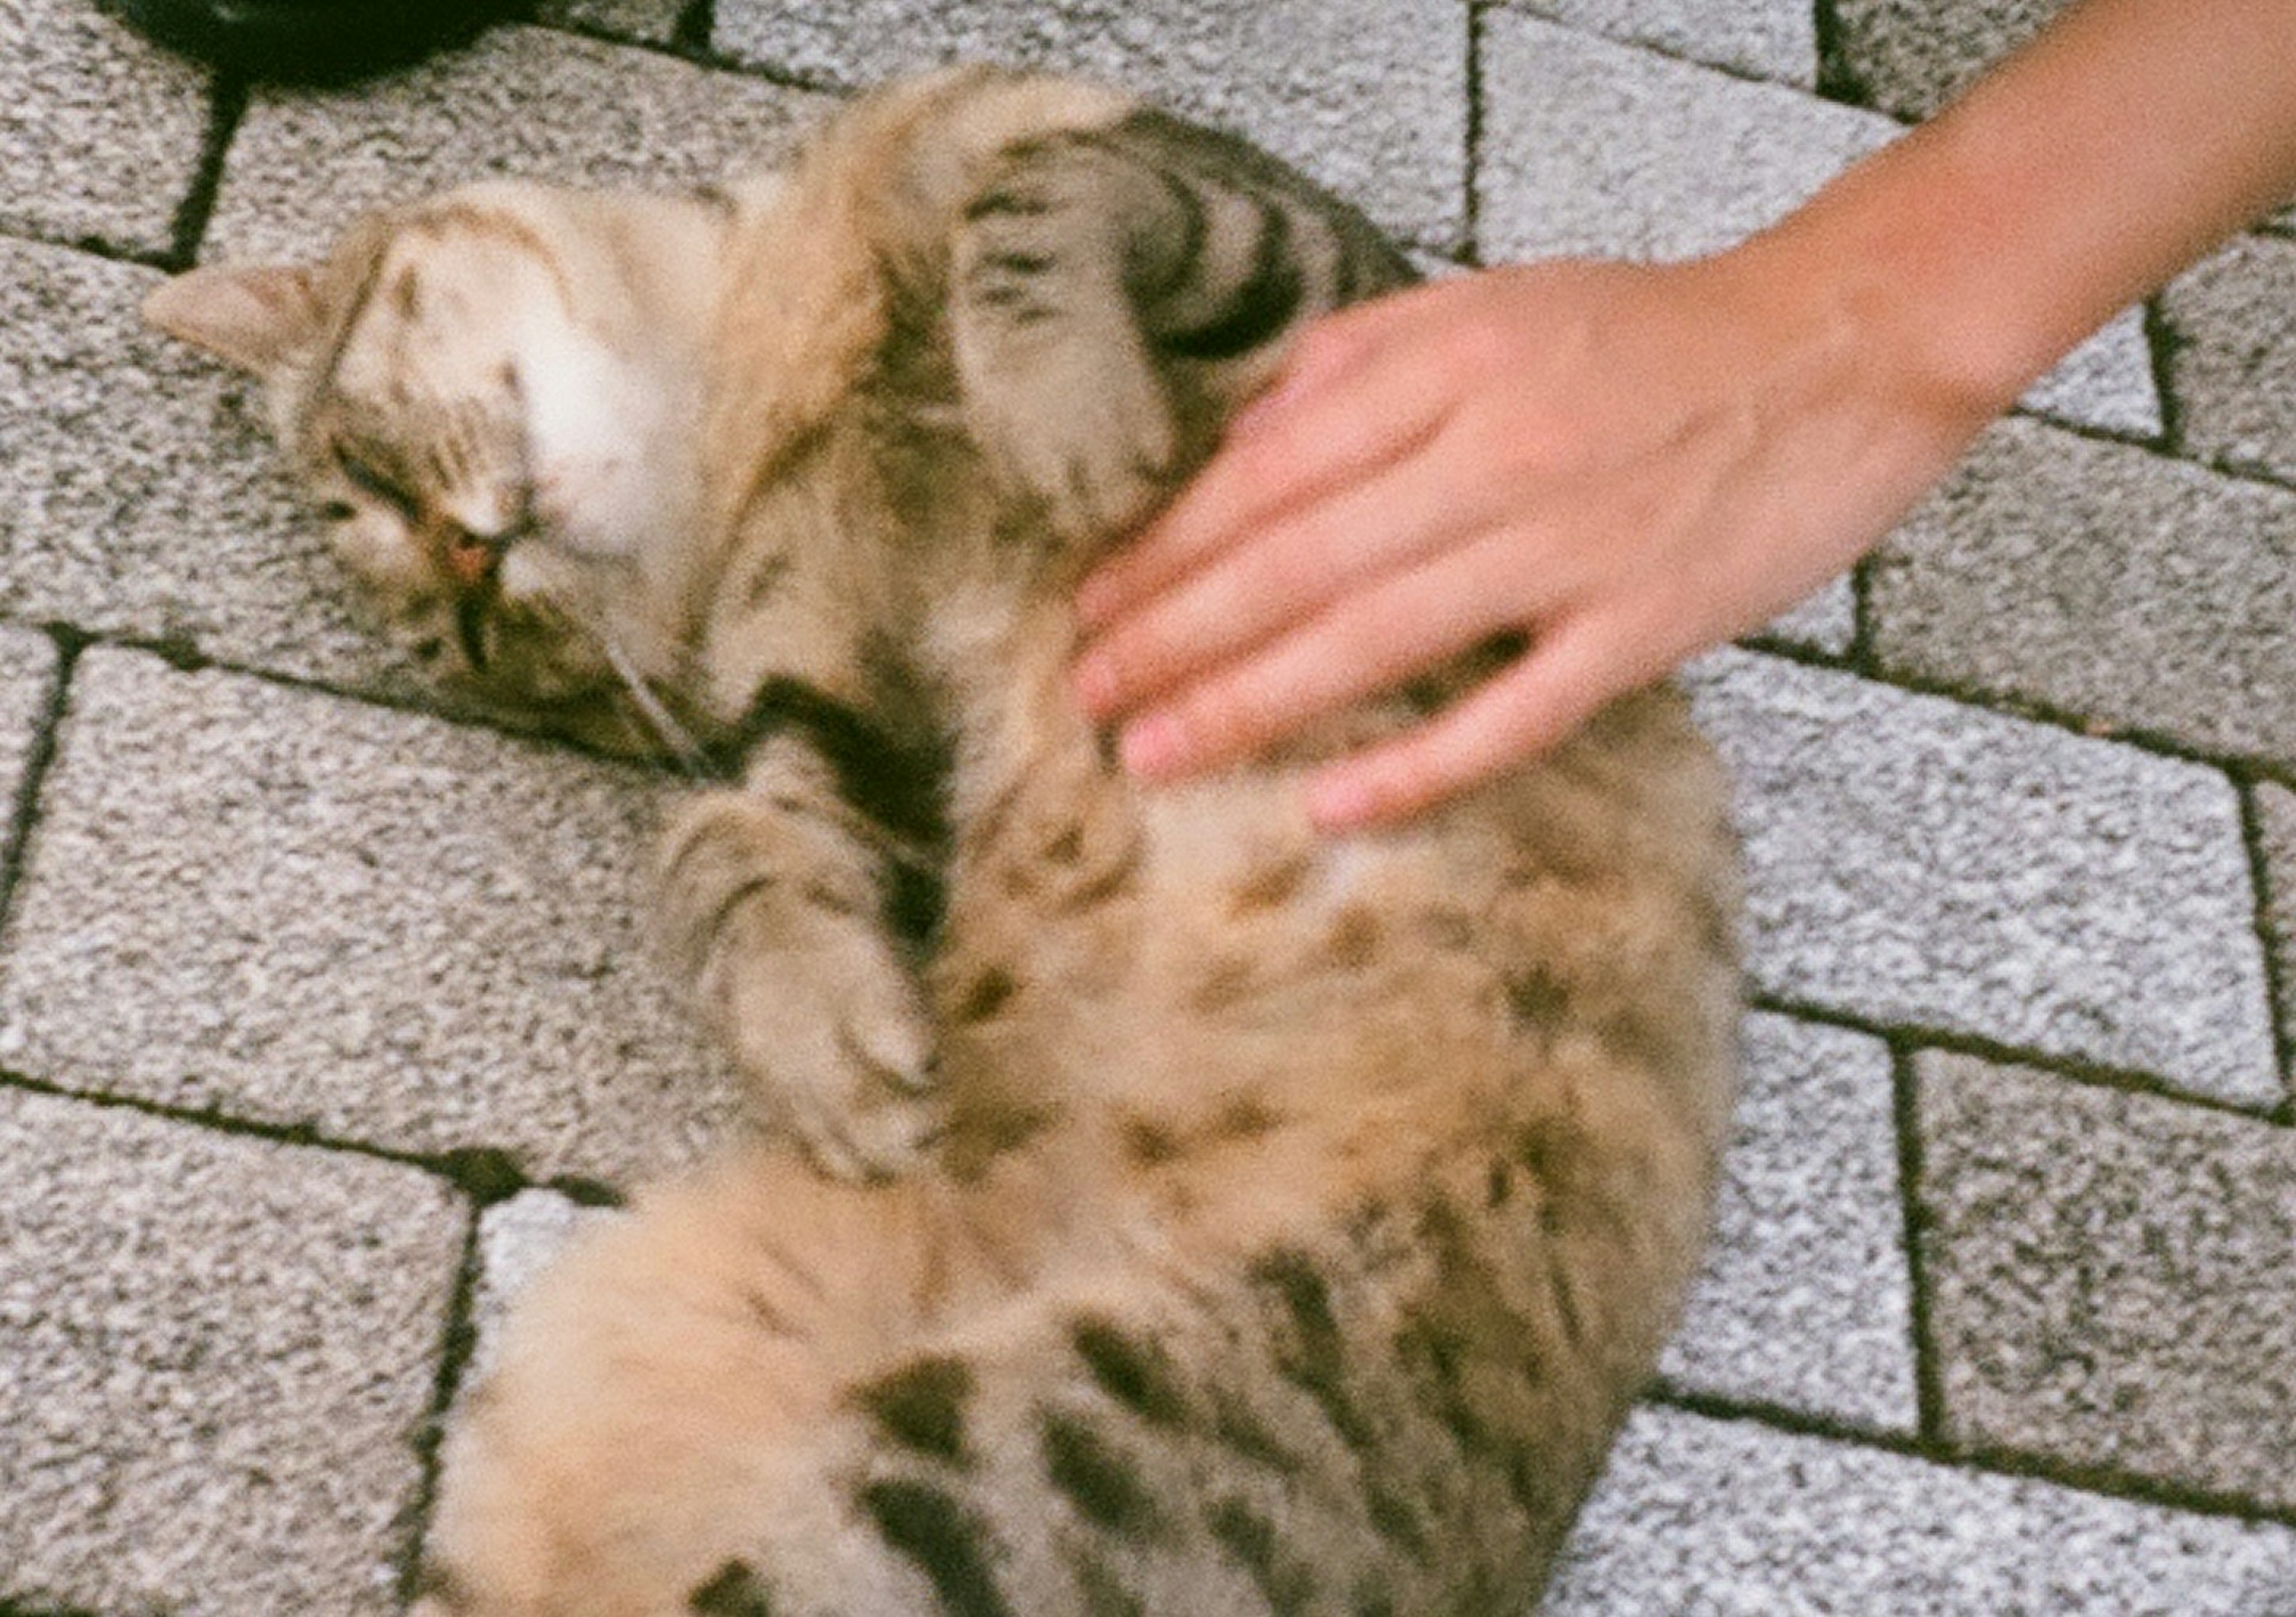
[[1186, 1215]]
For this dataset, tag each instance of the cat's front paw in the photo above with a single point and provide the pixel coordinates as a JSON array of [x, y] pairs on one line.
[[1093, 443], [836, 1043]]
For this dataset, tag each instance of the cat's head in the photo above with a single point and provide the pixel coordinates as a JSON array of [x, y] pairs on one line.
[[491, 399]]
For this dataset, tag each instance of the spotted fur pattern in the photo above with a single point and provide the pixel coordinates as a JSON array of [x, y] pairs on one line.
[[1186, 1214]]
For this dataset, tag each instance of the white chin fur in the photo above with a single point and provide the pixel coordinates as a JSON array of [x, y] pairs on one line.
[[593, 424]]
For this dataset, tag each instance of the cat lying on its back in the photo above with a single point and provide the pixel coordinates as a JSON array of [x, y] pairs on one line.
[[1217, 1219]]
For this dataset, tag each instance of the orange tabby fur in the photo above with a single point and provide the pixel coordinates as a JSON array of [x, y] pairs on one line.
[[1232, 1220]]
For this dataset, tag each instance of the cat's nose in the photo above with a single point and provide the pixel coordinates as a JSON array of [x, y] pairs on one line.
[[469, 559]]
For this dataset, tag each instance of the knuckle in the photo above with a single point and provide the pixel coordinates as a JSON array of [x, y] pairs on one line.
[[1222, 720], [1259, 470]]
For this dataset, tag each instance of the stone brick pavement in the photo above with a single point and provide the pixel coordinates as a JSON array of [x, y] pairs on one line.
[[323, 1015]]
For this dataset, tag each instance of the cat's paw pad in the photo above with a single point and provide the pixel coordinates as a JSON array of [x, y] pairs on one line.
[[843, 1063]]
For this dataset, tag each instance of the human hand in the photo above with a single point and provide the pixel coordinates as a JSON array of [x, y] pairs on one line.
[[1628, 463]]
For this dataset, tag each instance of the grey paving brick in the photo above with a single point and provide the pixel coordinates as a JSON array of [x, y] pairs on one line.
[[1912, 56], [142, 500], [1923, 863], [1731, 1519], [529, 102], [379, 925], [1805, 1303], [2232, 365], [27, 670], [2108, 382], [655, 22], [1767, 38], [1594, 148], [2109, 1278], [2276, 814], [1826, 622], [1370, 97], [101, 133], [215, 1355], [2136, 591]]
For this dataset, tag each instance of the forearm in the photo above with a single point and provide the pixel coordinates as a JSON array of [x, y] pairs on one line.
[[2079, 176]]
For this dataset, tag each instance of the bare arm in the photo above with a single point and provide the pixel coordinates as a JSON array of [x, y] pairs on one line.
[[1637, 462]]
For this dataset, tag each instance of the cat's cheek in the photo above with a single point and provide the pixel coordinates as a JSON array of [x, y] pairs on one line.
[[384, 564], [526, 579], [596, 506]]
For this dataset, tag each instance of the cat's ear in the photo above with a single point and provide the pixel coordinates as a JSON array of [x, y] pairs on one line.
[[257, 317]]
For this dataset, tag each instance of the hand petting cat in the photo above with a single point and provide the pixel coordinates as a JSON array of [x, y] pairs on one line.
[[1632, 463], [1627, 464]]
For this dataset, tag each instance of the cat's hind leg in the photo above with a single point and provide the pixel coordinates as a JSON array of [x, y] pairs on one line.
[[766, 1392]]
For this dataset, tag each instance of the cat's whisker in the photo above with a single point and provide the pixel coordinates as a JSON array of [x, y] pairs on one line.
[[653, 712]]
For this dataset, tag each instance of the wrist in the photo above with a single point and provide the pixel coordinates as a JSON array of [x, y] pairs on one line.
[[2078, 177], [1900, 258]]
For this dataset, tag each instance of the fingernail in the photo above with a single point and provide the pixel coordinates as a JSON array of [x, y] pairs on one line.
[[1153, 748]]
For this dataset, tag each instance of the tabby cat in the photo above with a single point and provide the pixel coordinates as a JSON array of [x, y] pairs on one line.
[[1186, 1215]]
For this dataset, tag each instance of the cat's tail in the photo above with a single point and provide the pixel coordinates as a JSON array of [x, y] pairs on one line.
[[765, 1392]]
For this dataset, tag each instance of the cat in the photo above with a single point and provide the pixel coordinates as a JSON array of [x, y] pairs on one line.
[[1168, 1211]]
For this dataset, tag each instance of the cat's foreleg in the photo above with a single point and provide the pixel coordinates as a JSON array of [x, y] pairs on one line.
[[772, 907], [1060, 390]]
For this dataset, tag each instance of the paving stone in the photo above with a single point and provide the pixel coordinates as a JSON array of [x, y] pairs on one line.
[[1767, 38], [28, 671], [655, 22], [2134, 590], [2232, 365], [1591, 148], [2276, 815], [1805, 1303], [2108, 382], [1927, 864], [1826, 622], [101, 133], [378, 925], [1912, 56], [1370, 97], [524, 101], [179, 529], [1732, 1519], [2109, 1278], [215, 1356]]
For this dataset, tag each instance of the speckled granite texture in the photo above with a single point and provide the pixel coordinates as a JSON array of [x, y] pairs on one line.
[[309, 1058]]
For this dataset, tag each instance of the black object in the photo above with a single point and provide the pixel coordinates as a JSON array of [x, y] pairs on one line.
[[309, 41]]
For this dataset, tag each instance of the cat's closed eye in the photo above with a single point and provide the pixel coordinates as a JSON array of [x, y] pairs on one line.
[[375, 485]]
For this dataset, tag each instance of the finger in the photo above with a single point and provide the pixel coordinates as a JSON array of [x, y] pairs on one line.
[[1275, 581], [1367, 642], [1574, 669], [1365, 409]]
